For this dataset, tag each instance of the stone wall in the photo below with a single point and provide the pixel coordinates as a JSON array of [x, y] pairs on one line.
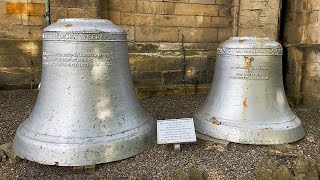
[[21, 27], [60, 9], [163, 35], [302, 41], [172, 43], [260, 18]]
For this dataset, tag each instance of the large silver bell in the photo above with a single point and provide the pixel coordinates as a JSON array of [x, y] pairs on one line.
[[86, 111], [247, 103]]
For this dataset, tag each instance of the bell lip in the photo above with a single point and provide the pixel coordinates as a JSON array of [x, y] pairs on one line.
[[257, 135], [82, 154]]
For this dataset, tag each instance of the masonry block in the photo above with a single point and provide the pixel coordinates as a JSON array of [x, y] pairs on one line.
[[314, 17], [315, 5], [33, 20], [313, 54], [115, 17], [172, 77], [137, 19], [149, 7], [197, 9], [224, 34], [313, 69], [311, 99], [314, 33], [75, 13], [25, 8], [310, 85], [58, 13], [147, 78], [2, 8], [202, 1], [183, 21], [156, 33], [130, 32], [122, 5], [199, 34]]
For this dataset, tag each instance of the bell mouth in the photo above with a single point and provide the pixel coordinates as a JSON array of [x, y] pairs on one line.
[[85, 20]]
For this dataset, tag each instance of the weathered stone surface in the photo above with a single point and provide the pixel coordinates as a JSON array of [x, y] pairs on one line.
[[156, 33], [147, 78], [318, 164], [147, 7], [122, 5], [265, 169], [58, 13], [75, 13], [8, 151], [313, 69], [33, 20], [179, 175], [19, 77], [199, 34], [172, 77], [315, 4], [137, 19], [285, 150], [295, 35], [196, 9], [202, 1], [183, 21], [225, 10], [283, 173], [294, 73], [195, 174], [115, 17], [25, 8], [259, 18], [130, 32], [224, 34], [311, 99], [314, 33], [305, 168], [314, 17], [213, 144], [310, 85]]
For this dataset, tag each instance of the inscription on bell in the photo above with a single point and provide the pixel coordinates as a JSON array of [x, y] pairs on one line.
[[82, 59], [235, 51], [252, 73], [83, 37]]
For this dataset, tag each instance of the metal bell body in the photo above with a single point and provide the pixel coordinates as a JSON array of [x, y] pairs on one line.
[[247, 103], [86, 112]]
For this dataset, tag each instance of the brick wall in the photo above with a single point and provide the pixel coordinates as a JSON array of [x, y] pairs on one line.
[[302, 40]]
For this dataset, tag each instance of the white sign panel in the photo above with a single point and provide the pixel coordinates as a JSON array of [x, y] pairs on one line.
[[175, 131]]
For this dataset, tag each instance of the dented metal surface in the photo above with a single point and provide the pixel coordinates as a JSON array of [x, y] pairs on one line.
[[86, 112], [247, 103]]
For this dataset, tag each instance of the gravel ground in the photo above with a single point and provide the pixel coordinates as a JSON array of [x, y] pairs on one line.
[[158, 162]]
